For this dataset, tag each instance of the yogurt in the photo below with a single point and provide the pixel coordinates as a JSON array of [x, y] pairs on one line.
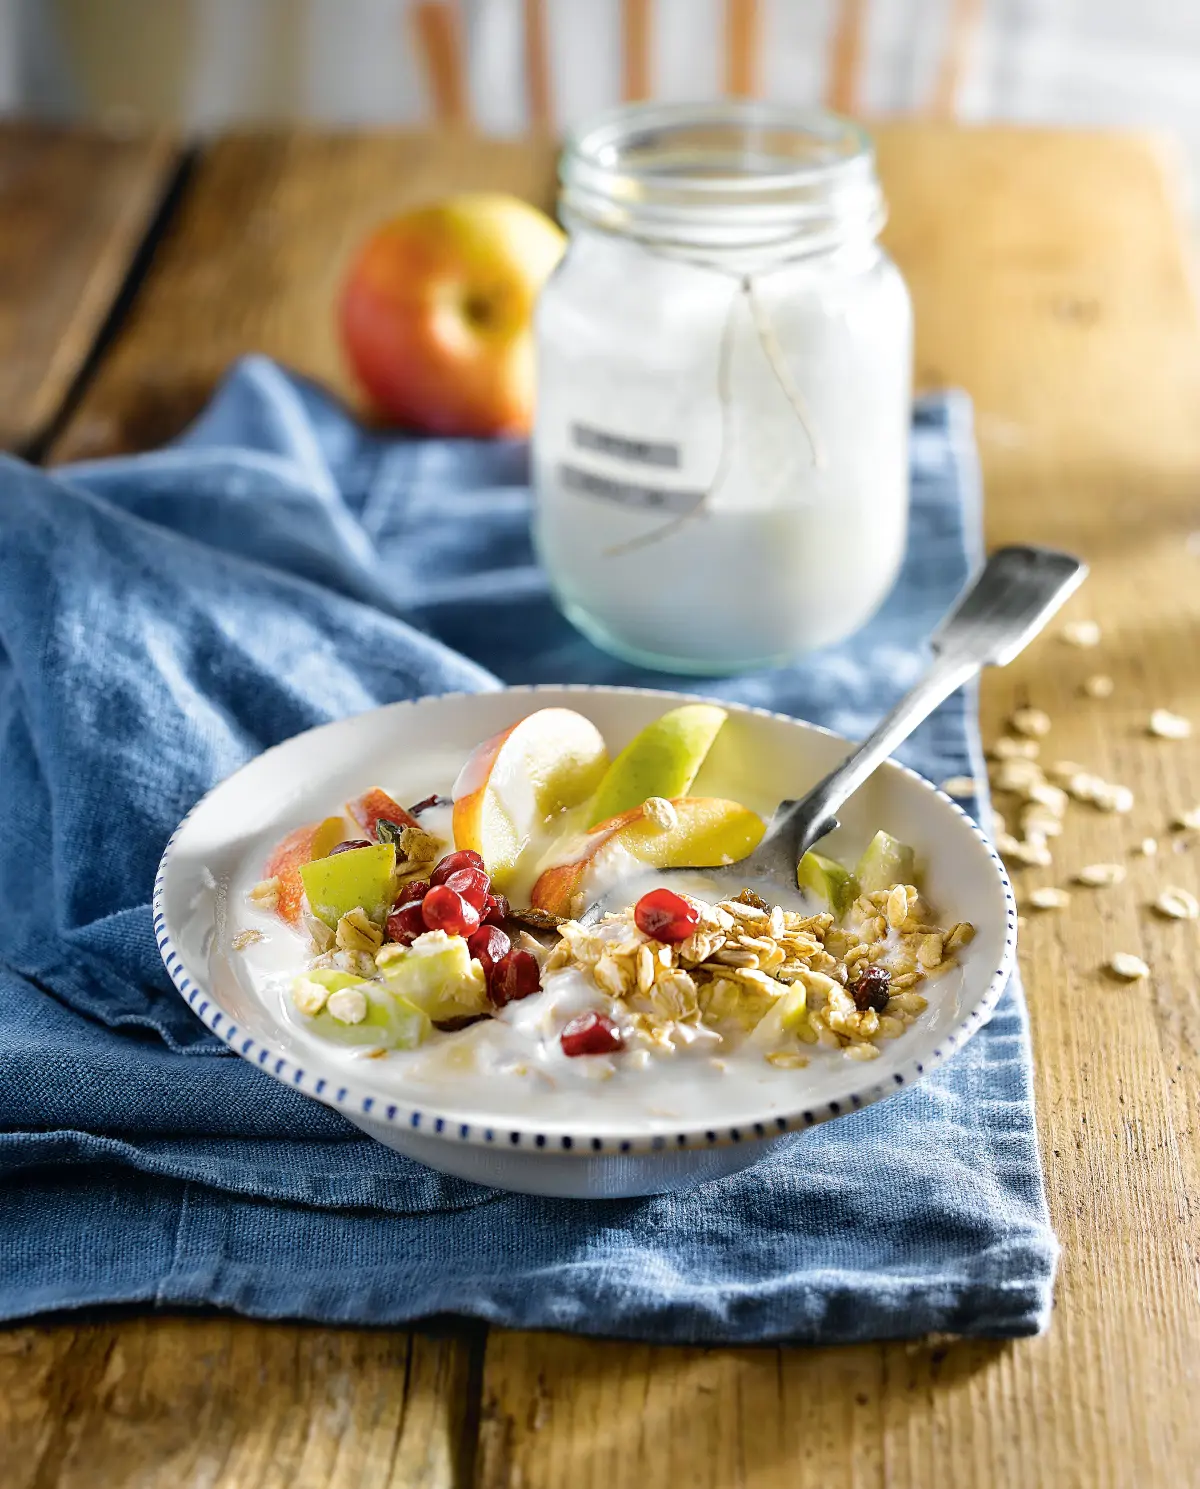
[[513, 1064]]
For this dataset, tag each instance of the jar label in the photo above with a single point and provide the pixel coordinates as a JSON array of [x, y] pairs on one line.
[[662, 454], [627, 493]]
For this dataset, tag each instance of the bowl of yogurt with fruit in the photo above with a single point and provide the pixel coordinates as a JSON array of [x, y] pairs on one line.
[[453, 921]]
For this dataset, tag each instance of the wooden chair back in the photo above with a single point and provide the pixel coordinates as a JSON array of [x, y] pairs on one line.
[[439, 35]]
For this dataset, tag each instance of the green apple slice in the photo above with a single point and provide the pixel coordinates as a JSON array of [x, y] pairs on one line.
[[386, 1019], [662, 760], [788, 1015], [363, 877], [832, 882], [885, 861], [438, 975]]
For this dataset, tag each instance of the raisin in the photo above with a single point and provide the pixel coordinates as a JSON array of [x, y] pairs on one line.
[[753, 900], [870, 989], [429, 801]]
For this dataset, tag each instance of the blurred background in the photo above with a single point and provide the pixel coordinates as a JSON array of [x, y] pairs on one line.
[[507, 65]]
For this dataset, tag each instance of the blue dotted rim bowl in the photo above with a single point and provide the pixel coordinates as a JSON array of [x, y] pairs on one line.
[[336, 1088]]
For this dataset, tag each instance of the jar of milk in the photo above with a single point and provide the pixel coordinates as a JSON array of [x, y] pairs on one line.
[[724, 371]]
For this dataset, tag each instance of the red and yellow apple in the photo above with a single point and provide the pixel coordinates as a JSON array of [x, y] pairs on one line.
[[517, 783], [436, 314], [313, 840], [709, 831]]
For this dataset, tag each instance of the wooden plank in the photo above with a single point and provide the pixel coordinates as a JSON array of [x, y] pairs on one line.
[[253, 261], [75, 208], [228, 1403], [1060, 299]]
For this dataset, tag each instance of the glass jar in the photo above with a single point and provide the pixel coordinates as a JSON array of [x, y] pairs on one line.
[[720, 450]]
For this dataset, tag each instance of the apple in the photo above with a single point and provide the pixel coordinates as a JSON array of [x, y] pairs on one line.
[[368, 809], [885, 861], [515, 784], [359, 878], [661, 761], [709, 831], [383, 1017], [438, 975], [436, 313], [313, 840], [828, 879]]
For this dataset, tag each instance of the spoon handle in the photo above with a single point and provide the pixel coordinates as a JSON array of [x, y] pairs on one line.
[[995, 617]]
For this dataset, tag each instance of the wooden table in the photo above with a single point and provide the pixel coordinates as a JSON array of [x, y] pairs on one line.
[[1050, 277]]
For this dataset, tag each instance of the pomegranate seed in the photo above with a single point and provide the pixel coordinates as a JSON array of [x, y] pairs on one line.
[[446, 910], [497, 909], [404, 926], [665, 916], [414, 891], [354, 843], [465, 858], [472, 884], [488, 946], [514, 976], [591, 1034]]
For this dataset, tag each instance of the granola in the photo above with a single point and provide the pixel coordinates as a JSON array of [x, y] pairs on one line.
[[755, 971]]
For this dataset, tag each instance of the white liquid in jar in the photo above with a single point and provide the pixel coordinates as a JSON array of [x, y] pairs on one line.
[[785, 554]]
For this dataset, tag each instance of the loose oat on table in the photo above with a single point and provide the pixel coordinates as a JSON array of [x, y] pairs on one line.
[[1125, 964], [1177, 904], [1032, 722], [1118, 799], [1081, 633], [1007, 748], [1167, 725], [1189, 821], [1101, 875], [1050, 897], [959, 786], [1099, 685], [1148, 847]]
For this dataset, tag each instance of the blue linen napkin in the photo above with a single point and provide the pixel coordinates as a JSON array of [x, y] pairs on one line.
[[163, 618]]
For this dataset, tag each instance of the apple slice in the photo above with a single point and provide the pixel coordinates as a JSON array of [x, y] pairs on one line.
[[661, 761], [828, 879], [515, 784], [709, 831], [368, 809], [360, 877], [313, 840]]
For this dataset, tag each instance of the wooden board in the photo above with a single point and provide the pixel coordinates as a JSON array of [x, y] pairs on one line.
[[1050, 279], [75, 207], [254, 260]]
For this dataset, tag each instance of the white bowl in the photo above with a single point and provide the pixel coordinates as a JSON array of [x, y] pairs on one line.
[[590, 1150]]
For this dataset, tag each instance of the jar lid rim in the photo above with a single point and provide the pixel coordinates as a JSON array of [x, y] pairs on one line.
[[655, 169]]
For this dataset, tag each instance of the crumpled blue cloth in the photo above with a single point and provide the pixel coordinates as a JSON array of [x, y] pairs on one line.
[[165, 617]]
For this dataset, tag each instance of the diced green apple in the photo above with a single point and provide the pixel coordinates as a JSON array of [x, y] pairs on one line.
[[363, 877], [387, 1019], [885, 861], [788, 1015], [832, 882], [438, 975]]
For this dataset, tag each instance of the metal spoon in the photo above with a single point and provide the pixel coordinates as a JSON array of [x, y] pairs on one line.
[[993, 620]]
